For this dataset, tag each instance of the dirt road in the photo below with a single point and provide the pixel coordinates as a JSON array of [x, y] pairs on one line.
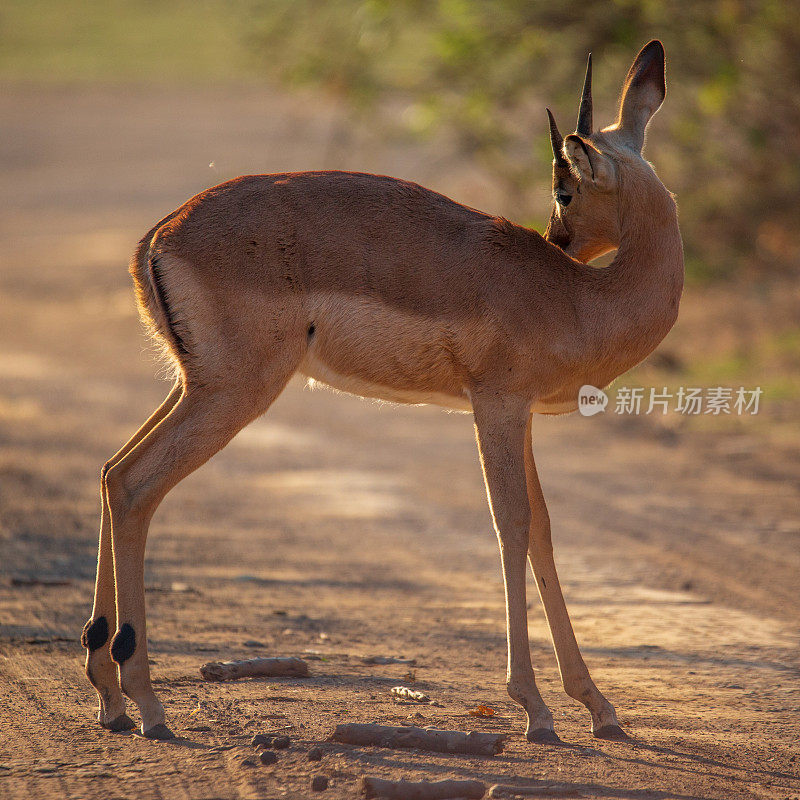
[[335, 528]]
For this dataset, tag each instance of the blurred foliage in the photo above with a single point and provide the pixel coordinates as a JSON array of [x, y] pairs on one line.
[[113, 41], [478, 73], [727, 140]]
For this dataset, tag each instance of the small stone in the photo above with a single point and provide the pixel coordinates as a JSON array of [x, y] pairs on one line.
[[281, 742], [253, 643], [261, 739], [267, 757], [247, 762], [319, 783], [315, 754]]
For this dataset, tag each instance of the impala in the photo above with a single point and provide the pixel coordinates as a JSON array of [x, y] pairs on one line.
[[385, 289]]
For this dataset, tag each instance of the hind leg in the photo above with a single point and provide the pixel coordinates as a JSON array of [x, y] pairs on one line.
[[100, 669], [205, 419]]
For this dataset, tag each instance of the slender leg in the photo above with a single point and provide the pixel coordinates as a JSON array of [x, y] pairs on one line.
[[100, 669], [500, 429], [575, 677], [202, 422]]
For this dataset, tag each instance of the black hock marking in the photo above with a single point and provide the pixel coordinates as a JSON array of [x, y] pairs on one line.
[[95, 634], [311, 330], [123, 644], [544, 585]]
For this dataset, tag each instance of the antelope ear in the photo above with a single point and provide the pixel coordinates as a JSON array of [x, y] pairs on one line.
[[590, 164], [642, 93]]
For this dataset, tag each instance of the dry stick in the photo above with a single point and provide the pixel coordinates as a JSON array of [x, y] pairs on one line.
[[540, 790], [438, 741], [254, 668], [425, 790], [412, 662]]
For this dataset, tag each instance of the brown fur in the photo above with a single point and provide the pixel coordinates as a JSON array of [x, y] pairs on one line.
[[386, 289]]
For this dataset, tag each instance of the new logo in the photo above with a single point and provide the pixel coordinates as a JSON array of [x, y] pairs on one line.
[[591, 400]]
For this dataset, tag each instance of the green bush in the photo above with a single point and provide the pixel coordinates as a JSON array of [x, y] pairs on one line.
[[727, 141]]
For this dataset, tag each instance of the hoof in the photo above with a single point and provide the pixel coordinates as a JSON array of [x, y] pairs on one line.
[[121, 723], [612, 733], [158, 732], [543, 736]]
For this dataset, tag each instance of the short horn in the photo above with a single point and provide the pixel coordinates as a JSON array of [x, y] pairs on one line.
[[585, 112], [556, 141]]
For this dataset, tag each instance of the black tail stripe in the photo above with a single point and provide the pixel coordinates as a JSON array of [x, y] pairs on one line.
[[161, 298]]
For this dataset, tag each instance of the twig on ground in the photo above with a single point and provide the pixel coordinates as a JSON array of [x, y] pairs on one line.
[[254, 668], [433, 739], [425, 790], [18, 581], [411, 662], [404, 693], [500, 790]]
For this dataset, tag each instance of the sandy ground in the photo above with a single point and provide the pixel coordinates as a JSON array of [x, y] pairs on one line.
[[335, 528]]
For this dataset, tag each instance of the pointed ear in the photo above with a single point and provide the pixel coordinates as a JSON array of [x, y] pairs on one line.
[[642, 93], [590, 164]]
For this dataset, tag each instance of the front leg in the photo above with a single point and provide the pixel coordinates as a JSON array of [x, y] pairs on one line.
[[575, 677], [500, 426]]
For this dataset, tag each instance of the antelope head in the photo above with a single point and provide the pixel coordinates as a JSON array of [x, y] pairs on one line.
[[594, 173]]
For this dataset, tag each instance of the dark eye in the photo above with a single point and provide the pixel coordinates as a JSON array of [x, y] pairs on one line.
[[563, 198]]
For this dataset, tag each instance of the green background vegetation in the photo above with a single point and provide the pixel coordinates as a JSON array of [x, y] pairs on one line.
[[727, 141]]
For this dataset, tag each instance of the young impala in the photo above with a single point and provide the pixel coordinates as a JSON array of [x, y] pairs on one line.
[[384, 289]]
